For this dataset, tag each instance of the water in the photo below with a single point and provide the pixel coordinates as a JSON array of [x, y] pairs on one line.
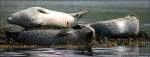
[[98, 10], [120, 51]]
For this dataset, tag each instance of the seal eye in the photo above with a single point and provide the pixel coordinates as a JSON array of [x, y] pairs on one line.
[[42, 11]]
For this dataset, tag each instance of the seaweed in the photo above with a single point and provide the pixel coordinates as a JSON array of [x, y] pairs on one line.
[[126, 39], [4, 39]]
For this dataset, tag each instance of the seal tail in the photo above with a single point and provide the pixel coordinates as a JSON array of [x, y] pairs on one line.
[[78, 15]]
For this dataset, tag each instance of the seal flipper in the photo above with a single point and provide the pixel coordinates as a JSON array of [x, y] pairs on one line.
[[78, 14], [42, 11]]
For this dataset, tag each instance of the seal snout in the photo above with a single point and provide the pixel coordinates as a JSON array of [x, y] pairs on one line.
[[9, 20]]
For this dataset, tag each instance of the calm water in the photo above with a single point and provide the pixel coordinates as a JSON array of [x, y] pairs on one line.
[[98, 11], [120, 51]]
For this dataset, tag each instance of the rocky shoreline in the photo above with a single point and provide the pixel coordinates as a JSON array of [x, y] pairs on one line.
[[142, 39]]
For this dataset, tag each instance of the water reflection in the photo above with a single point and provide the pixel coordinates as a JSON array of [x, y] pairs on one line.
[[119, 51]]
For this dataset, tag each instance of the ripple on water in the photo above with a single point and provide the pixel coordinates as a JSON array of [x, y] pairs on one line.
[[120, 51], [12, 54]]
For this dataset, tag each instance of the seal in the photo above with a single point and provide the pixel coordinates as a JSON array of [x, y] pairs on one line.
[[128, 24], [40, 17], [77, 35], [54, 36]]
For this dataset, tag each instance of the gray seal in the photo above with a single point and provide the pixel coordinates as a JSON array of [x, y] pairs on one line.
[[128, 24], [40, 17], [76, 35]]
